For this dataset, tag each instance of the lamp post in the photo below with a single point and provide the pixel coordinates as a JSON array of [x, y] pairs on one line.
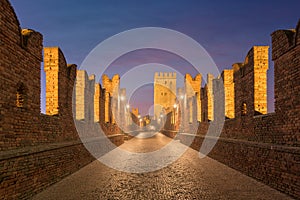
[[141, 122], [122, 98], [175, 112], [161, 118], [122, 110], [127, 115], [183, 117]]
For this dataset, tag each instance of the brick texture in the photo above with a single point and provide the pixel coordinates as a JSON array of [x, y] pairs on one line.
[[37, 149], [262, 145]]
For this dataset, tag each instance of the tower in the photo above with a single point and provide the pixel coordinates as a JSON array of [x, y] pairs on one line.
[[227, 77], [111, 87], [85, 91], [193, 89], [210, 97], [164, 93]]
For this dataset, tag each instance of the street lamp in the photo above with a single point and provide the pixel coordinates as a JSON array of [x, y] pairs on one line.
[[127, 114], [161, 118], [122, 98], [175, 112]]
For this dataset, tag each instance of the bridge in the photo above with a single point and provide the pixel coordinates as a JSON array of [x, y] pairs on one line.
[[187, 178], [101, 150]]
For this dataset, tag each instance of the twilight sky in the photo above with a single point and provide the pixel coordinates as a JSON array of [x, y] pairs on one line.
[[226, 30]]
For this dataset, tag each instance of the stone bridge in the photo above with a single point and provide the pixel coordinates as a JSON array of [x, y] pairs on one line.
[[257, 155]]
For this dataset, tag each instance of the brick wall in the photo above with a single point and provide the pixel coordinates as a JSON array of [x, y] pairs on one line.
[[37, 149], [263, 146], [285, 54], [275, 165], [27, 171], [19, 69]]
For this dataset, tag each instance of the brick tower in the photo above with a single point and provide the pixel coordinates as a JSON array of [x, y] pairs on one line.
[[164, 93]]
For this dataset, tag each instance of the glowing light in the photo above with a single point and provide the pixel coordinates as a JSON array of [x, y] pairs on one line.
[[122, 98]]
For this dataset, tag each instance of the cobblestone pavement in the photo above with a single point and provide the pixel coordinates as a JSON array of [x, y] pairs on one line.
[[188, 178]]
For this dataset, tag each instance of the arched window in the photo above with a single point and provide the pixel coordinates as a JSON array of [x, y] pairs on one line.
[[244, 109], [21, 95], [242, 71]]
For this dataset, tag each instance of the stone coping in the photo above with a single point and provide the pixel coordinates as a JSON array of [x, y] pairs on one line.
[[170, 131], [264, 115], [270, 146], [28, 150]]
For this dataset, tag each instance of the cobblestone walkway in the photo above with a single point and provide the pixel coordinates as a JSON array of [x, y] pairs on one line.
[[188, 178]]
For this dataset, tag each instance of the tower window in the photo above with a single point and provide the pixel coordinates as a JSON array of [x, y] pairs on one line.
[[242, 71], [20, 95], [244, 109]]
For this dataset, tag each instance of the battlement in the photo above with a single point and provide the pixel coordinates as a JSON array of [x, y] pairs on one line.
[[193, 83], [188, 77], [29, 137], [250, 82], [192, 86], [180, 91], [165, 75], [11, 28], [164, 92], [54, 59], [92, 77], [32, 41], [85, 91], [52, 137], [227, 74], [236, 66], [285, 54], [20, 64], [284, 40], [111, 85], [135, 111], [60, 79], [227, 78], [218, 100], [210, 97], [123, 93]]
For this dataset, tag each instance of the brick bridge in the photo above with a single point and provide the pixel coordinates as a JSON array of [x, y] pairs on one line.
[[257, 155]]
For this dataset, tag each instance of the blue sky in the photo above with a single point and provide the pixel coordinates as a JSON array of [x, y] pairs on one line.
[[226, 29]]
